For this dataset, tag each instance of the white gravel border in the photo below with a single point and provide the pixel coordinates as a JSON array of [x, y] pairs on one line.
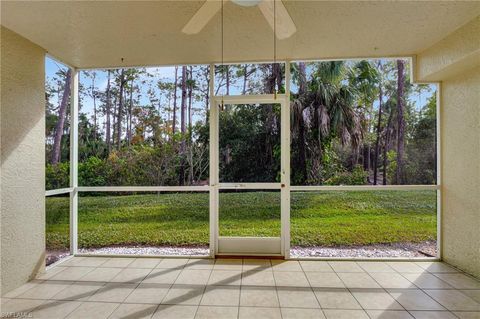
[[148, 250], [404, 250]]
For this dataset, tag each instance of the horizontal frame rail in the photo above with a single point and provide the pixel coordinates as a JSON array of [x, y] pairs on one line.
[[58, 191], [258, 186], [250, 99], [364, 188], [143, 188], [253, 186]]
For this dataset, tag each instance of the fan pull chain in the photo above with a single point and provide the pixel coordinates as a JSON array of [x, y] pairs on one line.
[[274, 49], [222, 44]]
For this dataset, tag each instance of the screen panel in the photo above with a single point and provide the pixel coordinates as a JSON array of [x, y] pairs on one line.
[[347, 127], [252, 213], [144, 223], [58, 79], [249, 143], [364, 223], [57, 230], [249, 78], [144, 126]]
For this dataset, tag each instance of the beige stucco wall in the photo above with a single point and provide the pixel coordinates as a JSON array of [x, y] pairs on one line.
[[460, 134], [22, 113], [455, 53], [454, 61]]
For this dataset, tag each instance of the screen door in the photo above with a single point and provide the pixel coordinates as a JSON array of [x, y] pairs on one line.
[[249, 200]]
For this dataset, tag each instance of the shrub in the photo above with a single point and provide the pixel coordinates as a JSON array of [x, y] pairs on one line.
[[57, 175], [92, 172], [358, 176]]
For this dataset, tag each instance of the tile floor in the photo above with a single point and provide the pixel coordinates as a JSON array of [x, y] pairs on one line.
[[97, 287]]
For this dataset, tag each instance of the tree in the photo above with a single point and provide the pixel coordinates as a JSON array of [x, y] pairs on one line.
[[121, 86], [334, 115], [401, 122], [183, 108], [298, 106], [325, 111], [108, 138], [174, 115], [379, 123], [130, 115], [364, 79], [227, 79], [93, 94], [62, 114]]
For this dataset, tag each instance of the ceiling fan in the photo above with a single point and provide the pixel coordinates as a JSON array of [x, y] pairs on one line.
[[283, 24]]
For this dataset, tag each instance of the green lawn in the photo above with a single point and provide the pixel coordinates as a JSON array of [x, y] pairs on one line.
[[317, 218]]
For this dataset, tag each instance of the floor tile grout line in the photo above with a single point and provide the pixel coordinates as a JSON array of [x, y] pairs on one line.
[[466, 275], [241, 285], [204, 290], [240, 289], [449, 288], [382, 262], [47, 300], [314, 294], [276, 291], [382, 288], [358, 302], [408, 311], [118, 306], [161, 301], [458, 290]]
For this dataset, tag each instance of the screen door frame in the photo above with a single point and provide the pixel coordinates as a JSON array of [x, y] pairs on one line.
[[250, 246]]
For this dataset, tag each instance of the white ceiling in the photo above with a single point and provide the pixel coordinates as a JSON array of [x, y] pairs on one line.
[[101, 33]]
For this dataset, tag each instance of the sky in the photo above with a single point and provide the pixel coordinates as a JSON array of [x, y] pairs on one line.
[[167, 74]]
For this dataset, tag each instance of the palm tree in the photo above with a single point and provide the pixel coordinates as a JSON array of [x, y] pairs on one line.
[[364, 77], [401, 122], [324, 109]]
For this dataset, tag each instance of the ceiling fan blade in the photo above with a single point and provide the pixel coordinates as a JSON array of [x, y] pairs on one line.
[[202, 16], [284, 24]]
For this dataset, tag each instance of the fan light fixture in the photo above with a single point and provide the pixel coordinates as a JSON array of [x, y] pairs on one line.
[[247, 3], [273, 10]]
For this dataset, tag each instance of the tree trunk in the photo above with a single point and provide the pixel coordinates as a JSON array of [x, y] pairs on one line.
[[369, 152], [385, 163], [107, 111], [184, 100], [94, 107], [227, 77], [401, 122], [183, 108], [62, 114], [130, 107], [190, 92], [377, 141], [278, 76], [386, 147], [302, 91], [174, 117], [207, 93], [120, 109], [114, 123], [245, 75], [190, 126]]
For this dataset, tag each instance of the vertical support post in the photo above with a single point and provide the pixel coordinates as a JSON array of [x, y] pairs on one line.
[[74, 162], [439, 171], [213, 168], [285, 165]]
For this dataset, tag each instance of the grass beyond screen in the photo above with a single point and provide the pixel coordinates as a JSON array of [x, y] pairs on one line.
[[362, 217], [179, 219]]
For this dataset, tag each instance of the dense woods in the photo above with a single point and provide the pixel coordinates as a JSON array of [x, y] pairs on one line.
[[352, 122]]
